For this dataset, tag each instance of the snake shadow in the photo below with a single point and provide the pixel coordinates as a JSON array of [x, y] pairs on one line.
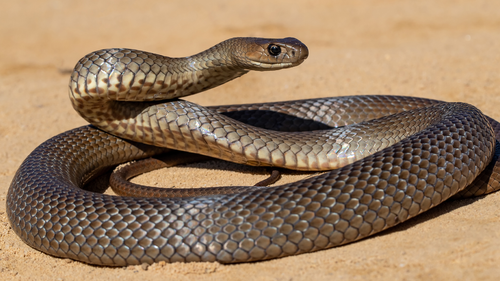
[[276, 121]]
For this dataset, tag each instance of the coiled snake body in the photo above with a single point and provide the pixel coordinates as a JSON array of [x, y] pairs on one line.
[[392, 158]]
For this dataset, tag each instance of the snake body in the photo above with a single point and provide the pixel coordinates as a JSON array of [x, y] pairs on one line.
[[393, 158]]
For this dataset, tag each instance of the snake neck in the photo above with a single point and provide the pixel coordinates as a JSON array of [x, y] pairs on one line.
[[104, 81]]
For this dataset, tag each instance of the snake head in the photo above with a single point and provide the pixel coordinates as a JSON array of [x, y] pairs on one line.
[[268, 54]]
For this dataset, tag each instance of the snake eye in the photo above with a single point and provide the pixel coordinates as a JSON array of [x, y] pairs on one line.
[[274, 50]]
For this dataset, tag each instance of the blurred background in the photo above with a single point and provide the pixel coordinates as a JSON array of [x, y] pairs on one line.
[[446, 49]]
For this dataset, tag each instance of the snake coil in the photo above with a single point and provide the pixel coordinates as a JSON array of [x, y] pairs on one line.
[[392, 158]]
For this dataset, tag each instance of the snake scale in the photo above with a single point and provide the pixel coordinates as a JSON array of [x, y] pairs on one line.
[[387, 159]]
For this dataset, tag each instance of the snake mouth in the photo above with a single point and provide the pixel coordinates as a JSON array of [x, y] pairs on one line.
[[271, 54]]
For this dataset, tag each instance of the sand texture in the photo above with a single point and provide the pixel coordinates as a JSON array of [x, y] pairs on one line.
[[447, 50]]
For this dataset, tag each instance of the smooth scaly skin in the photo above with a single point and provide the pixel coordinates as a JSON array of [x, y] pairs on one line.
[[51, 212]]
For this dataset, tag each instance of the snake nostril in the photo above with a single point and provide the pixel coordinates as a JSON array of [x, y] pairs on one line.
[[293, 53]]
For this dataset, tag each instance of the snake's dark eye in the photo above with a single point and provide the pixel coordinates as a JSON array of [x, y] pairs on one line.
[[274, 50]]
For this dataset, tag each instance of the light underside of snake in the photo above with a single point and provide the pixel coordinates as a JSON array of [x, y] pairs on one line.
[[390, 157]]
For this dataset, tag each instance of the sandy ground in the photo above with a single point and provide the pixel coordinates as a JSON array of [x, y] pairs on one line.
[[447, 50]]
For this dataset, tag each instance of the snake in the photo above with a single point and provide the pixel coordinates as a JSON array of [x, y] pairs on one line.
[[381, 161]]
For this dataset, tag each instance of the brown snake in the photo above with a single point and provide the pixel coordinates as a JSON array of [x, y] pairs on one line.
[[393, 158]]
